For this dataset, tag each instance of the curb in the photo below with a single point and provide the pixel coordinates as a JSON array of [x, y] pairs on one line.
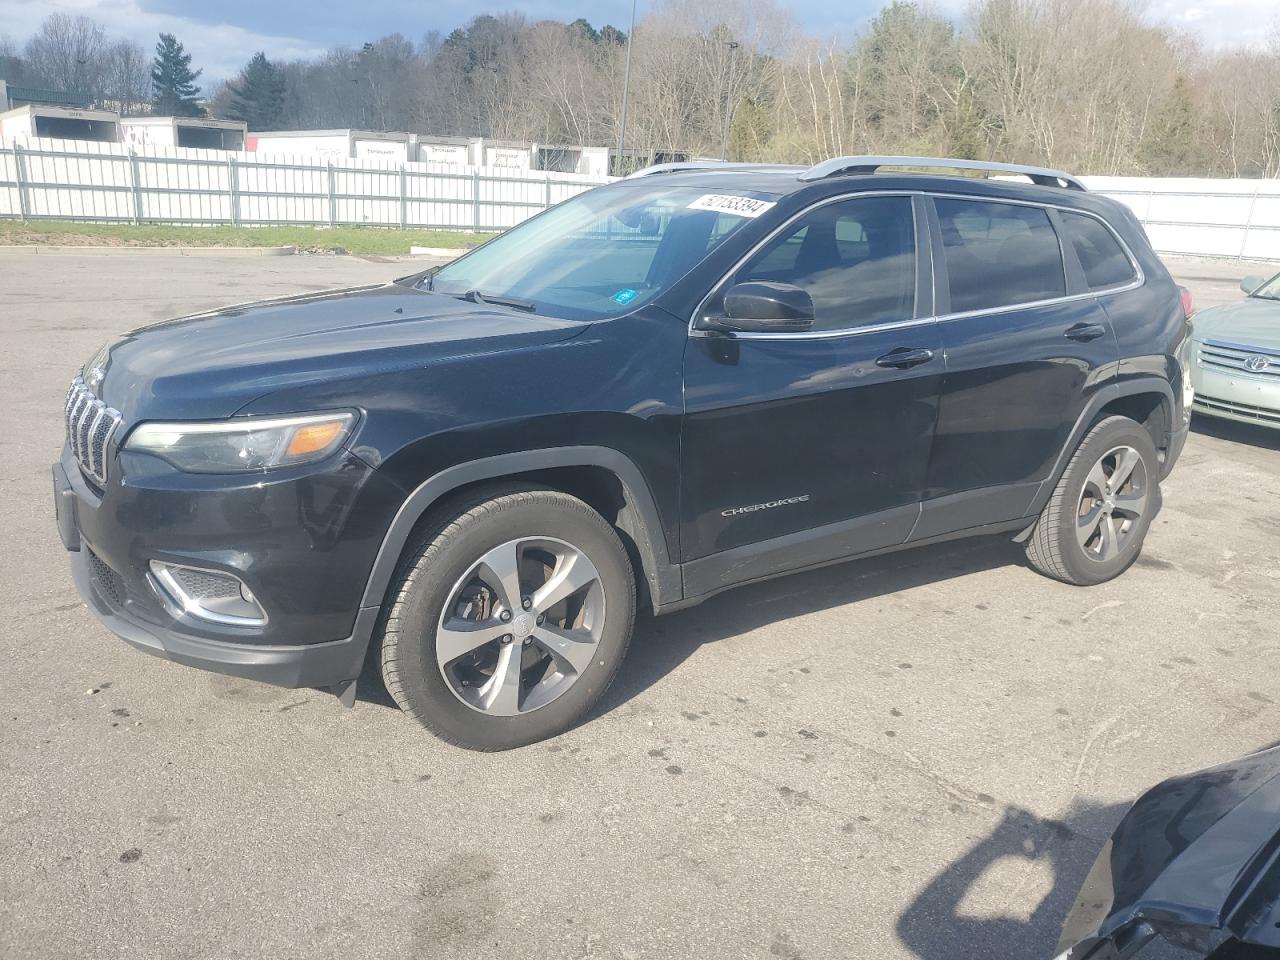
[[449, 252], [46, 250]]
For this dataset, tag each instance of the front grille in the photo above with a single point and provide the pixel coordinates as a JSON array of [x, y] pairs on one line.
[[90, 426], [1246, 410], [108, 583], [1241, 358]]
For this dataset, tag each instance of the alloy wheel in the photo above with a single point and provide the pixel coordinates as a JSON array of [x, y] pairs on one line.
[[520, 626], [1112, 503]]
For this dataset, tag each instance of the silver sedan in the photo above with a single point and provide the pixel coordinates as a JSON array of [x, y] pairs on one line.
[[1236, 373]]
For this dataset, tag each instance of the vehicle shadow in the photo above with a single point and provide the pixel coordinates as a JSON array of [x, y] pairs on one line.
[[1267, 438], [945, 921], [661, 644]]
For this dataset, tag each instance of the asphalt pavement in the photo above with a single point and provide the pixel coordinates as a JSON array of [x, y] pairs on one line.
[[915, 756]]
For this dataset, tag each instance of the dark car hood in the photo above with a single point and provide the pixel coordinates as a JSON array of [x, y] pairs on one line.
[[212, 364], [1194, 859]]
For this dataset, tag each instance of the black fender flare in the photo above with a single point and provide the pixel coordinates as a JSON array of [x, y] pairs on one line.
[[644, 526], [1107, 394]]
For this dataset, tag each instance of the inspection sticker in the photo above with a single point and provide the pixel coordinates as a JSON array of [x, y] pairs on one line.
[[738, 206], [625, 296]]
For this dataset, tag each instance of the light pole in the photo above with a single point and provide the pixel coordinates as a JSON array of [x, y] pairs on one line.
[[626, 83], [728, 93]]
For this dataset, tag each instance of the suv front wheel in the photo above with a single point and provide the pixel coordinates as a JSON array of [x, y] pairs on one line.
[[509, 618], [1093, 526]]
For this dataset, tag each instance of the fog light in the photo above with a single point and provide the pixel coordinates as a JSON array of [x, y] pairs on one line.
[[212, 595]]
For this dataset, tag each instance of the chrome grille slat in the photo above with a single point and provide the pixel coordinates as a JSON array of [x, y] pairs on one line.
[[1242, 348], [95, 467], [1225, 355], [90, 426]]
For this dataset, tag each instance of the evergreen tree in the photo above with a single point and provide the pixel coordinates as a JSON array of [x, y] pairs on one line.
[[173, 83], [257, 97]]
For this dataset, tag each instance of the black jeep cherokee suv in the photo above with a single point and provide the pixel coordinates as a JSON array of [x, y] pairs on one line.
[[691, 379]]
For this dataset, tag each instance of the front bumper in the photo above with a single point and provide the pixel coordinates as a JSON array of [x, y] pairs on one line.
[[1241, 397], [112, 534], [328, 664]]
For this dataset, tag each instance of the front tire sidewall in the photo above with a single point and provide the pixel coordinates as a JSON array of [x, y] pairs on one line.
[[425, 693]]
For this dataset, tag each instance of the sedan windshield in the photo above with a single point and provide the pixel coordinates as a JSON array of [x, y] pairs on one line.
[[1269, 290], [602, 253]]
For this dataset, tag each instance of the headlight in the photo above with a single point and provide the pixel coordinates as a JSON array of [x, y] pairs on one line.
[[244, 444]]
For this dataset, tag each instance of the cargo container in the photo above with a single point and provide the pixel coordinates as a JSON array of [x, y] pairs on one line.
[[198, 132], [331, 144], [61, 123]]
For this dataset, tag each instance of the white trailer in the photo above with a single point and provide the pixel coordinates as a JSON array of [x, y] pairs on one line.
[[60, 123], [198, 132], [588, 161], [454, 150], [503, 153], [331, 144]]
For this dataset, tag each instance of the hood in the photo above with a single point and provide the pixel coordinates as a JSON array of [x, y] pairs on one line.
[[212, 364], [1194, 860], [1252, 322]]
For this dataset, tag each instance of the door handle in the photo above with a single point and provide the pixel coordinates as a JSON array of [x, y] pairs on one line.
[[904, 358], [1084, 332]]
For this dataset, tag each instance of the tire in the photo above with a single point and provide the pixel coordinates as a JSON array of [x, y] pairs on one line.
[[1072, 540], [542, 667]]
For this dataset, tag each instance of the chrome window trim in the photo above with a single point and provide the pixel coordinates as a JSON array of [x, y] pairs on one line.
[[1139, 279]]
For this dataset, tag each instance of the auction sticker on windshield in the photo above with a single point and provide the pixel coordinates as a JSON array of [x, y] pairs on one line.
[[739, 206]]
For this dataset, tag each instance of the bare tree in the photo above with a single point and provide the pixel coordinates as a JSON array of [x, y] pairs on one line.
[[66, 53], [1090, 85], [126, 77]]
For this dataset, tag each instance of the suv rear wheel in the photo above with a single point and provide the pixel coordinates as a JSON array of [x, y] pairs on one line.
[[1093, 526], [509, 619]]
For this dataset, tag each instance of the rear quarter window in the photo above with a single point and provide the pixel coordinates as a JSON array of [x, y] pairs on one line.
[[1103, 260]]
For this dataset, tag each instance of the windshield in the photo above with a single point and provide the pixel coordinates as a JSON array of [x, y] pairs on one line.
[[1269, 290], [601, 253]]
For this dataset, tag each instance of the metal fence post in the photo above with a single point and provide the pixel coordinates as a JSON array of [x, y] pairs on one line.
[[475, 199], [135, 185], [404, 199], [1248, 222], [546, 200], [333, 196], [233, 190], [20, 171]]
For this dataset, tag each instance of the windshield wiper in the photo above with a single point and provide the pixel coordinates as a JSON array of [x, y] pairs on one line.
[[515, 303]]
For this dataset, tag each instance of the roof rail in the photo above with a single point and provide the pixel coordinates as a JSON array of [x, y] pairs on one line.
[[683, 165], [851, 165]]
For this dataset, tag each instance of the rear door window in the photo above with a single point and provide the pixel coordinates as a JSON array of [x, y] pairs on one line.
[[1103, 260], [998, 254]]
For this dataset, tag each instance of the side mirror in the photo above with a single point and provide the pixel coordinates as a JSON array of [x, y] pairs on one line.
[[1252, 283], [760, 306]]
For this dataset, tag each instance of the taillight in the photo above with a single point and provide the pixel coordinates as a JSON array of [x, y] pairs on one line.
[[1188, 302]]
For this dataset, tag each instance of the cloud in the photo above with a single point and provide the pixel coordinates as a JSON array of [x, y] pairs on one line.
[[219, 49], [1219, 23]]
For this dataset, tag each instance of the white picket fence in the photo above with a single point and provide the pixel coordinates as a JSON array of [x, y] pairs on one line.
[[81, 180], [109, 182]]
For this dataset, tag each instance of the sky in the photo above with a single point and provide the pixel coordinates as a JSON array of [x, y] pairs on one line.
[[222, 34]]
